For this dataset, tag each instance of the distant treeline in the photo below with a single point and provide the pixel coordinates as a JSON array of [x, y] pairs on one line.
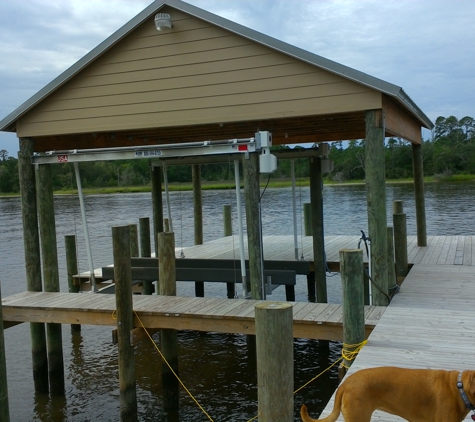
[[450, 151]]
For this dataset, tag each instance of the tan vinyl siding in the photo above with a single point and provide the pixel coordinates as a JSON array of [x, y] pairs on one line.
[[194, 74]]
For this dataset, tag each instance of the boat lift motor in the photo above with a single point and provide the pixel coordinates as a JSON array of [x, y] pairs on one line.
[[267, 161]]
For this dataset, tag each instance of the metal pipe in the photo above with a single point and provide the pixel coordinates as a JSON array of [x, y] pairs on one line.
[[85, 227], [294, 209], [240, 227], [167, 194]]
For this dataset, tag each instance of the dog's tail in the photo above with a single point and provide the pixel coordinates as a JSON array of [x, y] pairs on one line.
[[332, 417]]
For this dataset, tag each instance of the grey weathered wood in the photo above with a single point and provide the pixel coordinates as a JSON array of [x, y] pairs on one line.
[[391, 266], [72, 269], [134, 240], [418, 171], [49, 254], [400, 239], [252, 200], [316, 199], [166, 225], [168, 337], [4, 409], [123, 298], [157, 203], [31, 243], [376, 199], [275, 361], [198, 218], [353, 299], [227, 221], [145, 250], [307, 218]]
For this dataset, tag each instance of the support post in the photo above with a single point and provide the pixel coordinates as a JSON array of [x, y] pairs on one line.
[[157, 203], [252, 198], [275, 361], [197, 204], [4, 412], [198, 218], [351, 264], [228, 231], [376, 199], [145, 250], [49, 251], [32, 259], [391, 267], [400, 239], [316, 199], [72, 269], [228, 226], [169, 341], [125, 324], [134, 240], [418, 171], [307, 218]]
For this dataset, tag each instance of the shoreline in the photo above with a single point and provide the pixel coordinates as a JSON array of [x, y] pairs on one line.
[[227, 185]]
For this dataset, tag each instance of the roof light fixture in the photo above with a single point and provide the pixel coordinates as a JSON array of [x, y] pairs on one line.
[[163, 22]]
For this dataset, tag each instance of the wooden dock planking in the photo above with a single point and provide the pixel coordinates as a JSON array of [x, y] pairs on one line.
[[429, 324], [182, 313]]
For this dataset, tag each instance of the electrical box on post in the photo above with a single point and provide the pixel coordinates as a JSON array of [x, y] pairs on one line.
[[267, 161]]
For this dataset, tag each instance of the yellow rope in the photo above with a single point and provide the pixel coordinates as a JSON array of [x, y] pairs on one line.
[[350, 355], [345, 354], [171, 369]]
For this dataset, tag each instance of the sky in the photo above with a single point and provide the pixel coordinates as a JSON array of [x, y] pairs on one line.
[[425, 46]]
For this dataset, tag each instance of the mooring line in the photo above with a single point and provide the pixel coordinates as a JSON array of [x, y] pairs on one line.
[[171, 369]]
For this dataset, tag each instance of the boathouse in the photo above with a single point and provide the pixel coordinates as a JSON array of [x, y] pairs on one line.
[[178, 77], [199, 77]]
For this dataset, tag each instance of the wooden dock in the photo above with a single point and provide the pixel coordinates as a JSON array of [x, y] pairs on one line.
[[311, 320], [430, 323], [441, 250]]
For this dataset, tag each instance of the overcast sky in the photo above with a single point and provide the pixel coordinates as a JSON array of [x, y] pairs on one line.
[[425, 46]]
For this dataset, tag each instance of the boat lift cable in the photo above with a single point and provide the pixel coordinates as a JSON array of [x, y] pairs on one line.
[[392, 290]]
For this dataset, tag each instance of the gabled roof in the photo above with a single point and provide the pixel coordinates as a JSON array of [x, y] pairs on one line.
[[394, 91]]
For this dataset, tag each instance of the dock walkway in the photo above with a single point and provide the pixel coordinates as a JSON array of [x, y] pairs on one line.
[[311, 320], [429, 324]]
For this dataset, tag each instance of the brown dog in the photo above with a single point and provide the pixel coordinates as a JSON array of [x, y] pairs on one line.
[[417, 395]]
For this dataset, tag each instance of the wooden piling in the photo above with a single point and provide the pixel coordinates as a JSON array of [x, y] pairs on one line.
[[307, 219], [198, 218], [275, 361], [418, 171], [228, 231], [316, 199], [134, 240], [31, 243], [400, 239], [252, 199], [72, 269], [166, 225], [391, 266], [351, 268], [50, 274], [4, 409], [197, 204], [157, 203], [145, 250], [376, 200], [168, 337], [124, 314], [228, 226]]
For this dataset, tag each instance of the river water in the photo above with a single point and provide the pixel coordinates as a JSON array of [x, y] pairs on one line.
[[217, 368]]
